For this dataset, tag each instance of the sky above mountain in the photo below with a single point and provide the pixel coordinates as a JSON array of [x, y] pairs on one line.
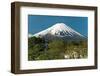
[[37, 23]]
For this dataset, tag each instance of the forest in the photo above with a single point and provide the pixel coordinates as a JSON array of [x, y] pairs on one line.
[[41, 49]]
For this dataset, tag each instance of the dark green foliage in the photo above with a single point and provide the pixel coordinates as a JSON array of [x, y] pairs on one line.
[[35, 47], [40, 49], [56, 49], [34, 40]]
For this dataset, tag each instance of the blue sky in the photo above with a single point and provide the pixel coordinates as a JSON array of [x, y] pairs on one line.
[[37, 23]]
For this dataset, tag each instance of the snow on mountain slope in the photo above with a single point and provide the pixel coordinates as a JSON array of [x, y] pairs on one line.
[[59, 30]]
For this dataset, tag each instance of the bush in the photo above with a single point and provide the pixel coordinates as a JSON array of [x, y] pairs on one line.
[[39, 49]]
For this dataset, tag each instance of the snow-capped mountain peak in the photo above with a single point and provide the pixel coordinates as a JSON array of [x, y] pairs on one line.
[[59, 29]]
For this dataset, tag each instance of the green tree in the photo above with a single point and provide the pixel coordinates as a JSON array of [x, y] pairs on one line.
[[35, 47], [56, 49]]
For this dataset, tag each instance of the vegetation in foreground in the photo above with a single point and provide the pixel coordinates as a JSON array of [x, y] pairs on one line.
[[40, 49]]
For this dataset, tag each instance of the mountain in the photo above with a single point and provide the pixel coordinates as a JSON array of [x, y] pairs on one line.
[[60, 31]]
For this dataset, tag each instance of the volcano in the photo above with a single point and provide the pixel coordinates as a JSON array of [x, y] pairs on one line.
[[60, 31]]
